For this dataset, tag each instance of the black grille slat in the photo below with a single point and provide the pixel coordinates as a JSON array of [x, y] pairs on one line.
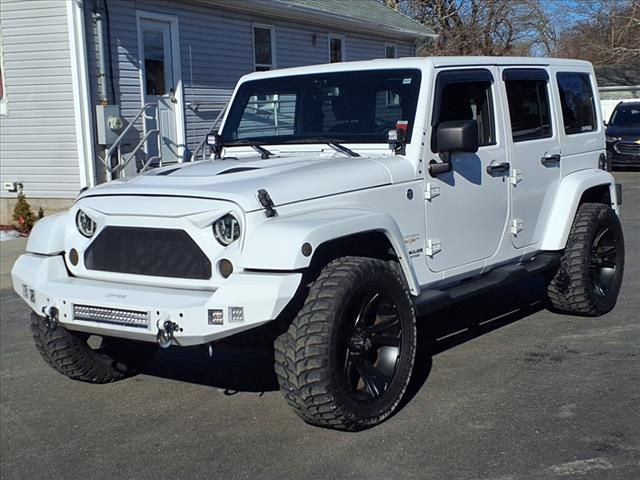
[[628, 148], [155, 252]]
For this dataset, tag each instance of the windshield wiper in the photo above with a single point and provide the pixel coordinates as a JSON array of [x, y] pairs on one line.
[[335, 143], [264, 153]]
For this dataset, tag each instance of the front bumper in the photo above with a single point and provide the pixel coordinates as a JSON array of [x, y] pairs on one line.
[[43, 282]]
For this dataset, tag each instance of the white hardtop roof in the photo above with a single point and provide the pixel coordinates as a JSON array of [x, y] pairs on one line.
[[419, 62]]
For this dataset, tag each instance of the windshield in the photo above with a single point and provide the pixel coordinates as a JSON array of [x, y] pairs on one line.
[[350, 107], [626, 116]]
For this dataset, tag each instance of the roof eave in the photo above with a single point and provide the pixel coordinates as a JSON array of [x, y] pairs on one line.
[[283, 10]]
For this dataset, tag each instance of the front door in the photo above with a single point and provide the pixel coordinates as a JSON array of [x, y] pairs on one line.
[[467, 207], [160, 87], [534, 152]]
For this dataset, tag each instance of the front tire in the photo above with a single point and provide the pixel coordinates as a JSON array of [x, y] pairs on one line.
[[589, 277], [70, 354], [346, 359]]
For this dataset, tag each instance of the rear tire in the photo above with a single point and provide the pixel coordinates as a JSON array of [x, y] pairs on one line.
[[589, 277], [346, 359], [69, 353]]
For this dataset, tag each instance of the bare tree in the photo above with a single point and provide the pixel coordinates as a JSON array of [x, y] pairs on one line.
[[483, 27], [604, 32]]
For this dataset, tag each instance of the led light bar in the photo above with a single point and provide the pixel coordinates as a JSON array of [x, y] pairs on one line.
[[130, 318]]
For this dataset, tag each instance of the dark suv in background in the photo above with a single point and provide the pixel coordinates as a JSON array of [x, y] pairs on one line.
[[623, 136]]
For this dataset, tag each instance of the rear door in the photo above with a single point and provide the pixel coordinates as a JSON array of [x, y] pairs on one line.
[[534, 149]]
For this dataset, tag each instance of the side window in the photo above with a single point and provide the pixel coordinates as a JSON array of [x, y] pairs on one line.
[[336, 48], [264, 48], [465, 95], [528, 103], [576, 99]]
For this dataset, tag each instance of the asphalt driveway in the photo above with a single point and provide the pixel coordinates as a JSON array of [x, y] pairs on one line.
[[503, 390]]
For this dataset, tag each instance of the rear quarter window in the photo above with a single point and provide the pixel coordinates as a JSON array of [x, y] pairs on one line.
[[577, 101]]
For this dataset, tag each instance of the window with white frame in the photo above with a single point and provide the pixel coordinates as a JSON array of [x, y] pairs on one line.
[[390, 51], [336, 48], [264, 47], [3, 90]]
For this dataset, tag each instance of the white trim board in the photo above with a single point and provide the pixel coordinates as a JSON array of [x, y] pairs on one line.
[[82, 105]]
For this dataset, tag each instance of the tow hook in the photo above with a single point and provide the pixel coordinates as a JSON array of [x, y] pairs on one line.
[[166, 334], [50, 317]]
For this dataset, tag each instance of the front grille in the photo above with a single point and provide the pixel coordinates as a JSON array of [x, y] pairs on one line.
[[627, 148], [156, 252], [131, 318]]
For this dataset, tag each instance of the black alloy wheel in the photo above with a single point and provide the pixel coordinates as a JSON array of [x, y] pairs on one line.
[[371, 339], [602, 263]]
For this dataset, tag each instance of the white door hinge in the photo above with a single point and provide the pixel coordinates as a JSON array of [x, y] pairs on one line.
[[433, 246], [431, 192], [517, 225], [516, 177]]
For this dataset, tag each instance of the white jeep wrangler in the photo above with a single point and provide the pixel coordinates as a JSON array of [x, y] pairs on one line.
[[341, 203]]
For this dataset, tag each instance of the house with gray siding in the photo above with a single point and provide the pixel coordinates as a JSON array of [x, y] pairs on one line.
[[93, 90]]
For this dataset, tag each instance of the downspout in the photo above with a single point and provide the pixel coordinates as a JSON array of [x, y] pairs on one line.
[[102, 56]]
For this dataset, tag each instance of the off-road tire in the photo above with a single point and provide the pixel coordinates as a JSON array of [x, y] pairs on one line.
[[307, 355], [69, 353], [572, 289]]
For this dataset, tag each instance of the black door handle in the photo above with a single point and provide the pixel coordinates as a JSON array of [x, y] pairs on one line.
[[550, 159], [498, 168]]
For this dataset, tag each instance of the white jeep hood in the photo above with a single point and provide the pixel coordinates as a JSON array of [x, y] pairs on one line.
[[287, 179]]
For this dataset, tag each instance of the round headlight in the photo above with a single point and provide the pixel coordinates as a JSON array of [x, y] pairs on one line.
[[86, 225], [226, 229]]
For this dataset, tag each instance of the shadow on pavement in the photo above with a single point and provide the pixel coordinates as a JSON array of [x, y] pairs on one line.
[[232, 367], [249, 368], [458, 324]]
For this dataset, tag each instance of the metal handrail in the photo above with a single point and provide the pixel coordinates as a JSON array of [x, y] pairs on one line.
[[204, 140], [106, 161], [127, 158]]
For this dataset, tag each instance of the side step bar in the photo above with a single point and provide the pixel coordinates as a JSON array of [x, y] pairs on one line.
[[434, 299]]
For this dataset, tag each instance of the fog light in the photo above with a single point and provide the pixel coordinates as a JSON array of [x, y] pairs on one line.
[[225, 267], [215, 316], [73, 257], [236, 314]]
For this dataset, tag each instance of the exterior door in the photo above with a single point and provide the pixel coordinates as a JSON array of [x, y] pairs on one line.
[[467, 207], [160, 87], [534, 152]]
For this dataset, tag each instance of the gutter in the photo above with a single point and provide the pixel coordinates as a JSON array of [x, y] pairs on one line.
[[102, 59]]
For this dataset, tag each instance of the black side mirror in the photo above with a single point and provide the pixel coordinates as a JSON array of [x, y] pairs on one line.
[[453, 136], [457, 136]]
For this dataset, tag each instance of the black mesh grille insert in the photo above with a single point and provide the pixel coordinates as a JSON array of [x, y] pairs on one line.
[[156, 252]]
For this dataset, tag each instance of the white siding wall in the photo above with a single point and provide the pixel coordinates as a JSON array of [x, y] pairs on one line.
[[37, 136], [215, 49]]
